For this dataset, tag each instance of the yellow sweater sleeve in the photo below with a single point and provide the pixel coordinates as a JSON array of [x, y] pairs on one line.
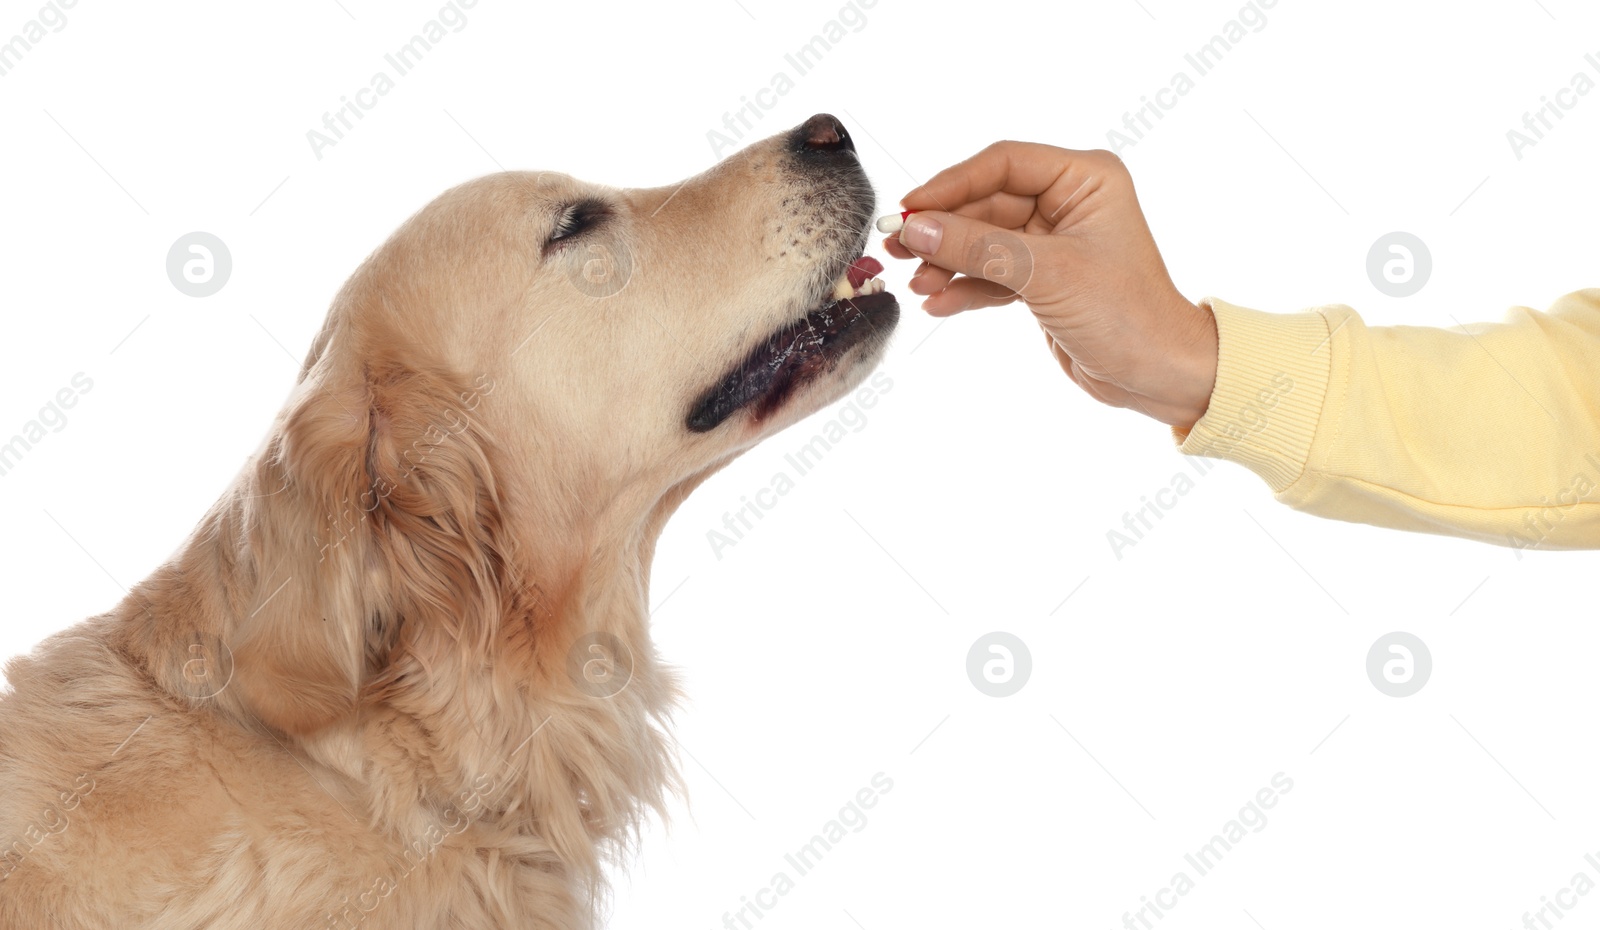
[[1491, 431]]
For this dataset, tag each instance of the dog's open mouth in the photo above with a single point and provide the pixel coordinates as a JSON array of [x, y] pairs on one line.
[[857, 310]]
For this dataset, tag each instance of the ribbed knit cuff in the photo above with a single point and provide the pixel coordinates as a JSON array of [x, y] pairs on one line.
[[1272, 375]]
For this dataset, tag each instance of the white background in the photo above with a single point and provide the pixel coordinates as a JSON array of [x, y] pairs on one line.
[[830, 643]]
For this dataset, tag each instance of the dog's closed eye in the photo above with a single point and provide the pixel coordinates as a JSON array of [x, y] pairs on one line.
[[575, 219]]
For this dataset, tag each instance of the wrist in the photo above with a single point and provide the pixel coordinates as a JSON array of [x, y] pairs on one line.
[[1202, 378], [1187, 360], [1271, 383]]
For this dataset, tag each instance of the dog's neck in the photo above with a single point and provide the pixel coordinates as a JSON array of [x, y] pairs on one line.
[[557, 736], [553, 734]]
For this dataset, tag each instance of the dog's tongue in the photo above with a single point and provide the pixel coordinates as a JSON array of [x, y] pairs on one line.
[[862, 269]]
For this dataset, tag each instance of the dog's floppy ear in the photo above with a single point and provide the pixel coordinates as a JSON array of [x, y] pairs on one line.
[[385, 522]]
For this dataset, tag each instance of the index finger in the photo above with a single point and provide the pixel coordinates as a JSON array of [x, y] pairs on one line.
[[1029, 169]]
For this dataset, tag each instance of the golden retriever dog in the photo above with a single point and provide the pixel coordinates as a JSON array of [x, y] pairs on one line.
[[401, 676]]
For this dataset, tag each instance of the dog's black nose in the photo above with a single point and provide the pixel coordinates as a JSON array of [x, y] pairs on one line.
[[823, 133]]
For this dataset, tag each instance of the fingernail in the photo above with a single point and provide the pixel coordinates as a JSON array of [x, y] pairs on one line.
[[921, 234]]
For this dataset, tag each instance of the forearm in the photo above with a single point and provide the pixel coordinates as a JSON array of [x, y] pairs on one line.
[[1492, 433]]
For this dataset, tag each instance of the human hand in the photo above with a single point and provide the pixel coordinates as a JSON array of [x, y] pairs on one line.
[[1062, 230]]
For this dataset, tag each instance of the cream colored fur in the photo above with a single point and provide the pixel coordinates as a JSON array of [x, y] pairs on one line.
[[348, 699]]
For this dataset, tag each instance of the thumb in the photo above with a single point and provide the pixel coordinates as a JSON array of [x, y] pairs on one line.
[[971, 247]]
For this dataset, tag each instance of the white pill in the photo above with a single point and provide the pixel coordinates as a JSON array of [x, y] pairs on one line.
[[892, 223]]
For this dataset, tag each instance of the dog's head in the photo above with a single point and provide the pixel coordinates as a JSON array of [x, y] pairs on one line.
[[525, 381]]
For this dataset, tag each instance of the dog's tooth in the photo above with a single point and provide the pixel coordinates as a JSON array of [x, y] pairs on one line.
[[842, 290]]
